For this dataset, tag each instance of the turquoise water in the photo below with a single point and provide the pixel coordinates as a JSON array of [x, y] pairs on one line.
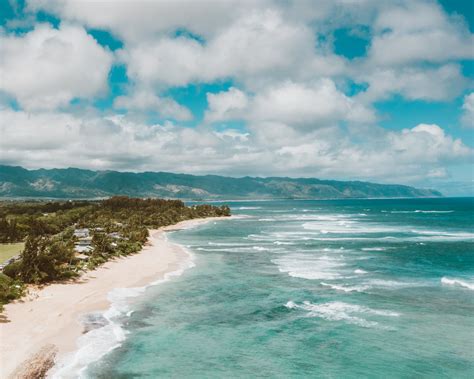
[[300, 289]]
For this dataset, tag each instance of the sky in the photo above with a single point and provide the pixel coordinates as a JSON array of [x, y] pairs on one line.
[[344, 89]]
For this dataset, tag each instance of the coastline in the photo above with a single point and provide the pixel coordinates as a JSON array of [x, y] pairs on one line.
[[49, 319]]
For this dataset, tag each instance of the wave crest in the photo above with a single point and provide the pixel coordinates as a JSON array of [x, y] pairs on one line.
[[340, 311], [457, 283]]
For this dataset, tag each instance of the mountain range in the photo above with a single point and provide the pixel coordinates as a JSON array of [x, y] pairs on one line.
[[18, 182]]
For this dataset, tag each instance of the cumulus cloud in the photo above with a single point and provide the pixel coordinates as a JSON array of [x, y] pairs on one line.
[[226, 105], [254, 50], [431, 84], [51, 139], [300, 105], [419, 32], [118, 142], [46, 68], [146, 100], [137, 20], [311, 105], [411, 154], [427, 143], [468, 110]]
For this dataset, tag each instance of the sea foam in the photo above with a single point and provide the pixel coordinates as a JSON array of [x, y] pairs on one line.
[[342, 288], [99, 341], [457, 283], [340, 311], [311, 267]]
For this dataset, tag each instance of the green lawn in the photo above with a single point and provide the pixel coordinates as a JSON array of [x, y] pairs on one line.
[[8, 250]]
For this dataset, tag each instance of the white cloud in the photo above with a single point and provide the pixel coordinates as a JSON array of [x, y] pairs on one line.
[[254, 50], [143, 100], [427, 143], [418, 32], [411, 155], [59, 139], [468, 110], [137, 20], [310, 105], [430, 84], [226, 105], [261, 42], [166, 61], [47, 68]]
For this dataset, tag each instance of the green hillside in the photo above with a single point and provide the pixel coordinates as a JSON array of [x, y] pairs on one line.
[[17, 182]]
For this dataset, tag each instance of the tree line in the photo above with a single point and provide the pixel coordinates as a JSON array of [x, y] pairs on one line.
[[48, 232]]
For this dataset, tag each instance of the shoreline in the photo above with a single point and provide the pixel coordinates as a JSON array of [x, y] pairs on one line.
[[60, 306]]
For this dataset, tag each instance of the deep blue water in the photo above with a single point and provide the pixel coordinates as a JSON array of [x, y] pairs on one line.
[[312, 289]]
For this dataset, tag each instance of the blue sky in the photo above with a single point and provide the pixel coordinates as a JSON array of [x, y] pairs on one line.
[[371, 90]]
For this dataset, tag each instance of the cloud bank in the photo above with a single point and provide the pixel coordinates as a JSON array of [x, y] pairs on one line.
[[280, 96]]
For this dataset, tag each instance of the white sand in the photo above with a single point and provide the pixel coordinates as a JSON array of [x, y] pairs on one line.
[[51, 315]]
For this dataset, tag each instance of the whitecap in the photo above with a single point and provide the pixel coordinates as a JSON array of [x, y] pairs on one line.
[[310, 267], [345, 288], [348, 227], [457, 283], [422, 211], [443, 234], [340, 311], [282, 243], [389, 284], [226, 244], [95, 344]]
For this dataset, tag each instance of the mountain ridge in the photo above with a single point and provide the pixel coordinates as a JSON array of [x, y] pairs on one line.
[[18, 182]]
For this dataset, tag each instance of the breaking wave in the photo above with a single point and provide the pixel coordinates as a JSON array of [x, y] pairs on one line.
[[310, 267], [457, 283], [105, 329], [340, 311]]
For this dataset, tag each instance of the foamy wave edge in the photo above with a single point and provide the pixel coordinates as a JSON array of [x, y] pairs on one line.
[[95, 344], [457, 283]]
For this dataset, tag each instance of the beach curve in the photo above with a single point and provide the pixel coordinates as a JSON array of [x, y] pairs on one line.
[[51, 316]]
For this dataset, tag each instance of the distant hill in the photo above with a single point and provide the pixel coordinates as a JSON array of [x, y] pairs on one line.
[[18, 182]]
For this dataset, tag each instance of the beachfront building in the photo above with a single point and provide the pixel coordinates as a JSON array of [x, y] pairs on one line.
[[84, 242], [83, 248], [82, 233]]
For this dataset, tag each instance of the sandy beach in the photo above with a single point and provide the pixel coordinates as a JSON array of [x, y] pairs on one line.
[[47, 321]]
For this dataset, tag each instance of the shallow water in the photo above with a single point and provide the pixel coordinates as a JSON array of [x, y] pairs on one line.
[[330, 289]]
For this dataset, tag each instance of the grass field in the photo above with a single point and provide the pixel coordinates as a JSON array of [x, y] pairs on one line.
[[8, 250]]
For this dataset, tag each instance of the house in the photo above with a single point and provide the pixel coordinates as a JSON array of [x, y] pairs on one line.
[[115, 235], [83, 248], [82, 233], [86, 241], [82, 257]]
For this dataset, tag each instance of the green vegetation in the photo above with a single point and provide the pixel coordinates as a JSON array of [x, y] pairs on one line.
[[63, 238], [8, 250], [85, 184], [9, 290]]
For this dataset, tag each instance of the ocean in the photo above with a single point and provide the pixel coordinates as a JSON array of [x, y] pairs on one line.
[[307, 289]]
